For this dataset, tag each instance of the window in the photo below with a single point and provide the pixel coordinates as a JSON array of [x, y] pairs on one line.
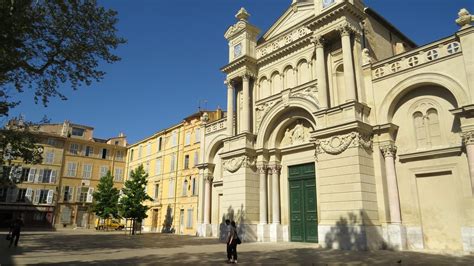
[[119, 155], [103, 170], [104, 153], [89, 151], [74, 148], [71, 169], [77, 131], [186, 161], [118, 177], [51, 142], [160, 140], [171, 189], [194, 187], [43, 196], [139, 152], [31, 175], [45, 175], [82, 194], [427, 128], [24, 174], [196, 158], [21, 197], [184, 191], [116, 142], [147, 168], [187, 138], [157, 191], [172, 162], [197, 135], [189, 221], [158, 166], [148, 149], [131, 155], [68, 191], [87, 171], [174, 139], [49, 158]]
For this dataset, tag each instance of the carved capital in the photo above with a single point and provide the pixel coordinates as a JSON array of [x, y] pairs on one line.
[[229, 83], [275, 169], [262, 168], [345, 29], [209, 179], [467, 138], [318, 41], [388, 150]]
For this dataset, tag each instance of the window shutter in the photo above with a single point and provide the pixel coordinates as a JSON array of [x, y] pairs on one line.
[[28, 194], [89, 194], [62, 194], [71, 194], [49, 199], [37, 196], [39, 175], [52, 178], [14, 194], [31, 175], [78, 194]]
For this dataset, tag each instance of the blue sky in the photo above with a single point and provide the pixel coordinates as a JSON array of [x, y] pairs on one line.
[[174, 52]]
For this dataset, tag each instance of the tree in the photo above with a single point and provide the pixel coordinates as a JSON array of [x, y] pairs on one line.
[[106, 198], [134, 194], [44, 44]]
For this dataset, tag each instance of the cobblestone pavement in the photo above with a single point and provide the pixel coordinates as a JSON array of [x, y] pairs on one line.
[[71, 247]]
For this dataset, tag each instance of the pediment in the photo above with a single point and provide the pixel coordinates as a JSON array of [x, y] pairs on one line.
[[293, 16]]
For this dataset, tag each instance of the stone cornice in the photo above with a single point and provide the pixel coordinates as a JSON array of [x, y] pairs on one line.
[[244, 61], [282, 51], [335, 12], [430, 154]]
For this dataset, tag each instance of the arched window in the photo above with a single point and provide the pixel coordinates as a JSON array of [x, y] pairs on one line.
[[289, 77], [303, 72], [263, 88], [276, 83], [427, 128]]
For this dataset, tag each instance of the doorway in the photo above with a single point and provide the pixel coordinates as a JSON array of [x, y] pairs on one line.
[[303, 211]]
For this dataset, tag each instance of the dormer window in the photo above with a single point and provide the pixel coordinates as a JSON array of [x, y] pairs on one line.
[[77, 131]]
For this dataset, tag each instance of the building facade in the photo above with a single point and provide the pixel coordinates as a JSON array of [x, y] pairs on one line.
[[86, 160], [170, 157], [342, 131]]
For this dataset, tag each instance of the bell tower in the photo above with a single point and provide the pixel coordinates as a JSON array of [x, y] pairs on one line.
[[242, 37]]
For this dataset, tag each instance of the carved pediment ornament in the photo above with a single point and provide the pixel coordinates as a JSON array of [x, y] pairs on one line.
[[235, 28], [338, 144], [234, 164]]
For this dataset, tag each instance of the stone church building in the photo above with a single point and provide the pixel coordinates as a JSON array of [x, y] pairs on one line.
[[341, 131]]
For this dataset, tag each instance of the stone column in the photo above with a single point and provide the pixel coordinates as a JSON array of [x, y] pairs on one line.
[[349, 78], [246, 103], [388, 151], [321, 71], [207, 199], [276, 194], [230, 107], [468, 140], [262, 169]]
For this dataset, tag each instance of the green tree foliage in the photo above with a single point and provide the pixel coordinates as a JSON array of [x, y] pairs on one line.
[[106, 198], [44, 44], [134, 194], [19, 141]]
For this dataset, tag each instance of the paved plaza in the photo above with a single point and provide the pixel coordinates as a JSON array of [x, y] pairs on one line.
[[89, 247]]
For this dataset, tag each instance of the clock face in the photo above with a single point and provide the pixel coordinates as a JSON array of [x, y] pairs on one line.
[[327, 3], [237, 50]]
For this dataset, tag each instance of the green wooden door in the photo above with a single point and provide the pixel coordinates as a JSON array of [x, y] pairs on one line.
[[303, 214]]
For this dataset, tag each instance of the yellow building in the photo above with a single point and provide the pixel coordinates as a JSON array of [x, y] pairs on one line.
[[33, 190], [170, 157], [86, 160]]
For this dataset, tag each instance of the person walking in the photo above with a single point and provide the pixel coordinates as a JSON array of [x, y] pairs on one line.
[[232, 242], [227, 231], [15, 230]]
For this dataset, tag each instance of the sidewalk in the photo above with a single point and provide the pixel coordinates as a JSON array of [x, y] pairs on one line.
[[93, 247]]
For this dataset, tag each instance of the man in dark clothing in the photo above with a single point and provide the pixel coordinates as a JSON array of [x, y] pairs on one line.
[[227, 228], [15, 230]]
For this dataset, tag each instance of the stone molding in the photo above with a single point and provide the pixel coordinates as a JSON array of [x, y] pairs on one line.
[[338, 144], [234, 164], [209, 179], [275, 169], [467, 138], [318, 41], [262, 169]]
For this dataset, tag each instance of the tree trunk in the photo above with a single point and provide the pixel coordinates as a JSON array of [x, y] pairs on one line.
[[133, 227]]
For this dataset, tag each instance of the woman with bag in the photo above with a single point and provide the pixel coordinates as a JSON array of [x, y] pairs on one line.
[[233, 240]]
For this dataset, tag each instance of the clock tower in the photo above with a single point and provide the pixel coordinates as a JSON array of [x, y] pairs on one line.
[[242, 37]]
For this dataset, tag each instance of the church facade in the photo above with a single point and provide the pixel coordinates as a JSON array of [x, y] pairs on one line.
[[342, 131]]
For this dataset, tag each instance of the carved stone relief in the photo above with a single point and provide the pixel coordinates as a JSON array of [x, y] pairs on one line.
[[297, 134], [308, 93], [234, 164], [261, 111], [338, 144]]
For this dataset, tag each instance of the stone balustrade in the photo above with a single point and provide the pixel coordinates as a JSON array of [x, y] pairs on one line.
[[216, 126]]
